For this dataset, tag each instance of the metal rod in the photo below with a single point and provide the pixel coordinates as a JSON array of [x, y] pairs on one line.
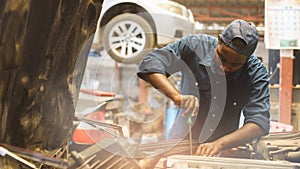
[[4, 151]]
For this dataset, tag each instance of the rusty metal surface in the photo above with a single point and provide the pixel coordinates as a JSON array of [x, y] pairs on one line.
[[285, 92]]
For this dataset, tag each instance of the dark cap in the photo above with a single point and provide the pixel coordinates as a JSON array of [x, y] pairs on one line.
[[243, 30]]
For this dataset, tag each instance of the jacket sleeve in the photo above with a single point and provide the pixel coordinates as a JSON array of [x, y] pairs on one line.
[[166, 60], [258, 108]]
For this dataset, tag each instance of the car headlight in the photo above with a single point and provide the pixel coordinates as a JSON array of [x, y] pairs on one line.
[[172, 8]]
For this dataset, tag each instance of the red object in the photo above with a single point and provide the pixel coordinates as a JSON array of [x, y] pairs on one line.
[[97, 93], [286, 89], [83, 136], [87, 134]]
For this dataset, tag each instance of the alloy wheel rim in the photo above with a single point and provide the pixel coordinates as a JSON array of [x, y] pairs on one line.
[[127, 39]]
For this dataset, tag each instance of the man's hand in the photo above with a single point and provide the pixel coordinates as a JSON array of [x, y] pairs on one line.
[[189, 103], [239, 137], [209, 149]]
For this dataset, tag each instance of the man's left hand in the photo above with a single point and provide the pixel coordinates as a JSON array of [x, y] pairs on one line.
[[209, 149]]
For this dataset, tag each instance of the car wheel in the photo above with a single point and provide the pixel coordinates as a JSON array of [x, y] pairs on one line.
[[127, 37]]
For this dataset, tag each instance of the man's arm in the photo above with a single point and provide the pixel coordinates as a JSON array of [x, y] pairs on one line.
[[241, 136], [256, 112], [161, 82]]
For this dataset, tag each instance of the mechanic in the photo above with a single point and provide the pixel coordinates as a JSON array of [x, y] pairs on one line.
[[221, 78]]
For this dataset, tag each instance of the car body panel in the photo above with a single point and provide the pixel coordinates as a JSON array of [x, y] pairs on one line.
[[166, 22]]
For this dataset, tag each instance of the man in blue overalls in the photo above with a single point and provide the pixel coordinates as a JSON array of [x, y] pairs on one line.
[[220, 79]]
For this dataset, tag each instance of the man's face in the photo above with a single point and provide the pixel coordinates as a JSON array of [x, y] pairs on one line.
[[227, 60]]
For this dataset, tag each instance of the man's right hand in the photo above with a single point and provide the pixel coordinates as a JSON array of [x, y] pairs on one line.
[[189, 103]]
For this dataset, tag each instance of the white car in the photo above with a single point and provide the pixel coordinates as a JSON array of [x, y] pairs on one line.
[[128, 29]]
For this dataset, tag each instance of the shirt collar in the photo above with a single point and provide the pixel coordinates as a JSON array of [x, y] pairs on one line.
[[235, 76]]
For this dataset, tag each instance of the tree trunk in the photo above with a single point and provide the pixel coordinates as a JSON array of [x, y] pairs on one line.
[[43, 52]]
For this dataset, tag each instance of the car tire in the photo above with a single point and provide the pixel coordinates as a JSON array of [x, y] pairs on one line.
[[127, 37]]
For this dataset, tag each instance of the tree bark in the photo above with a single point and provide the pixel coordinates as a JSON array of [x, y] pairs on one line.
[[44, 46]]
